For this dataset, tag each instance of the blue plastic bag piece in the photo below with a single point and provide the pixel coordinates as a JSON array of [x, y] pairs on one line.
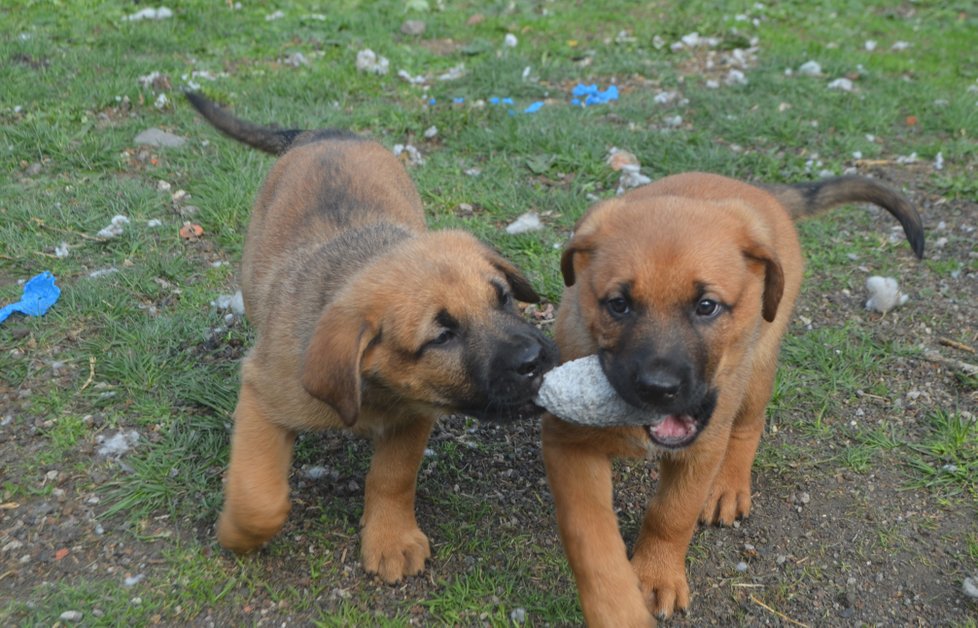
[[40, 293], [535, 107], [494, 100], [593, 95], [507, 101], [584, 90], [432, 101], [458, 101]]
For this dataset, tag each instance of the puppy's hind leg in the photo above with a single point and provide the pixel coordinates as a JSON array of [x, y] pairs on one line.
[[256, 496], [392, 544]]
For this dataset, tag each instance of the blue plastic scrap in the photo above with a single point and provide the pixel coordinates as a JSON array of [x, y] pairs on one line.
[[535, 107], [40, 293], [592, 95]]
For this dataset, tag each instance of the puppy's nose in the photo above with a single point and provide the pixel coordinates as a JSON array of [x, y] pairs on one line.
[[529, 360], [658, 385]]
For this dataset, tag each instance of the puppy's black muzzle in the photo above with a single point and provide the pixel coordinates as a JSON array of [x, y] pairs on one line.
[[514, 375], [663, 385]]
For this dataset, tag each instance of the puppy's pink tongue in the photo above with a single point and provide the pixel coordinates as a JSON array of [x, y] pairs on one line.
[[674, 428]]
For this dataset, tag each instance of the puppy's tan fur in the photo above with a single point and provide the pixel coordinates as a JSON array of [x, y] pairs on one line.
[[364, 321], [643, 273]]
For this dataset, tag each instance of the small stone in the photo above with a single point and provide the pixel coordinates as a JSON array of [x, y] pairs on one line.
[[810, 68], [741, 567], [804, 498], [518, 615], [72, 616], [413, 27], [158, 137]]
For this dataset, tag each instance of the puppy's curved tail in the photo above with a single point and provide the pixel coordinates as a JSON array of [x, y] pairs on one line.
[[269, 139], [804, 199]]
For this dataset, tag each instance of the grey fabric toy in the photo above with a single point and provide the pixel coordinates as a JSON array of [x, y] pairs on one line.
[[578, 391]]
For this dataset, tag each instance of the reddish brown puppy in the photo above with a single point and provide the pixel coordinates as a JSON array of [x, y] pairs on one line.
[[683, 288], [365, 321]]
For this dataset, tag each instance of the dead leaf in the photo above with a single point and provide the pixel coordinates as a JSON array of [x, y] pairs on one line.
[[191, 231]]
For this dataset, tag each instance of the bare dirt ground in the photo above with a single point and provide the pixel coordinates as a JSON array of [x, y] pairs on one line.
[[825, 545]]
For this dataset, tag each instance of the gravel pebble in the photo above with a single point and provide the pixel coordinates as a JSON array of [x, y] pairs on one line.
[[71, 616]]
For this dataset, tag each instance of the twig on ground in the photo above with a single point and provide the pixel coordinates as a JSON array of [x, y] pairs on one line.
[[861, 163], [91, 373], [964, 367], [947, 342], [43, 225], [779, 614]]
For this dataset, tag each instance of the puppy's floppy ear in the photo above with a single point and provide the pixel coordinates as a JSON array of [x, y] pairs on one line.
[[579, 248], [331, 365], [520, 285], [582, 244], [773, 278]]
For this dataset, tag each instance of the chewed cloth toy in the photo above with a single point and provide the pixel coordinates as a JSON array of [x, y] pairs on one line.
[[578, 391], [40, 293]]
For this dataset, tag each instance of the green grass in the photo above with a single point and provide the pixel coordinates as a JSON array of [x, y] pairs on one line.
[[143, 349]]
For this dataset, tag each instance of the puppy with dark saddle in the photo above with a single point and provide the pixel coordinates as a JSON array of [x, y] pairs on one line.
[[366, 321]]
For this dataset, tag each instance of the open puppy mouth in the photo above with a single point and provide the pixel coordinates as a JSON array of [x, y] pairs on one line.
[[674, 431]]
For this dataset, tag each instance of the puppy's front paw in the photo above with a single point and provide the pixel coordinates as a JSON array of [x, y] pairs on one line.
[[394, 552], [728, 501], [663, 584]]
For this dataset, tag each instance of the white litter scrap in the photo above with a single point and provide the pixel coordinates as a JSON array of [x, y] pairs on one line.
[[233, 302], [530, 221], [413, 154], [631, 178], [61, 251], [115, 228], [453, 73], [146, 81], [884, 294], [664, 98], [370, 62], [970, 587], [735, 77], [119, 444], [510, 41], [409, 78], [103, 272], [578, 391], [296, 59], [841, 84], [161, 13], [277, 15]]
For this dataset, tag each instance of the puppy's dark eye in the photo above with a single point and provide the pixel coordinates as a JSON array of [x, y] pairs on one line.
[[618, 306], [443, 338], [708, 308]]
